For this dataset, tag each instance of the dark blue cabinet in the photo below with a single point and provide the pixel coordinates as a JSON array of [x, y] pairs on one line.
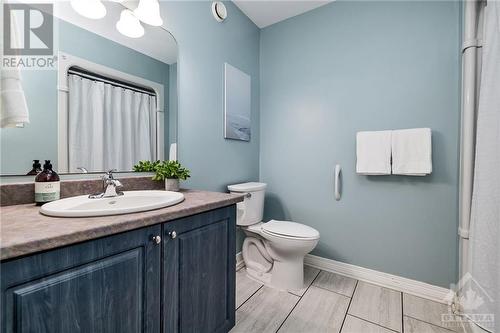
[[105, 285], [199, 272], [128, 282]]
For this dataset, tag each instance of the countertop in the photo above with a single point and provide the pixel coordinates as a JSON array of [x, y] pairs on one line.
[[25, 231]]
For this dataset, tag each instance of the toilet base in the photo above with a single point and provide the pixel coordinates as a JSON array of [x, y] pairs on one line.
[[264, 278], [288, 276], [278, 263]]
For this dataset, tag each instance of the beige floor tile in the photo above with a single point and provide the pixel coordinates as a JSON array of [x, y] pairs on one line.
[[336, 283], [265, 311], [245, 287], [425, 310], [356, 325], [310, 274], [318, 311], [412, 325], [378, 305], [465, 326]]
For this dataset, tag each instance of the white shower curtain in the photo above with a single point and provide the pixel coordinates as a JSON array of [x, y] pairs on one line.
[[485, 215], [109, 127]]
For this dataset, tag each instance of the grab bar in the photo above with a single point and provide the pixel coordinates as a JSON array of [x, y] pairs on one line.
[[337, 182]]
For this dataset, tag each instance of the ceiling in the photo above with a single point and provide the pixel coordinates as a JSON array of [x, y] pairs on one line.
[[265, 13]]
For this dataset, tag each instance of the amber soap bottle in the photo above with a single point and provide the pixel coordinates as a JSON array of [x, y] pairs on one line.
[[47, 185], [37, 168]]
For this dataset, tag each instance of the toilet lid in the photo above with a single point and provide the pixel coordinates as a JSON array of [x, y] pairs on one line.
[[290, 229], [247, 187]]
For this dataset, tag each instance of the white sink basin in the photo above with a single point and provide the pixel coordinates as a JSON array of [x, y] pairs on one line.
[[129, 202]]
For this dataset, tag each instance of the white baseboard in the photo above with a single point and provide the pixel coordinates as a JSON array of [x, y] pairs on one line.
[[239, 261], [409, 286]]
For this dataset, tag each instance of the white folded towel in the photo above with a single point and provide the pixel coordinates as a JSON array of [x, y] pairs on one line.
[[373, 152], [412, 152], [13, 106]]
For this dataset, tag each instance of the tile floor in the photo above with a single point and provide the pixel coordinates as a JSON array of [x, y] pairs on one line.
[[333, 303]]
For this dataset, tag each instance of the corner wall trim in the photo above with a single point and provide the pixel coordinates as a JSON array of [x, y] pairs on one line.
[[409, 286]]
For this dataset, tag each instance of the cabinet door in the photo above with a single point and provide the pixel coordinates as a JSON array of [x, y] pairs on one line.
[[199, 272], [106, 285]]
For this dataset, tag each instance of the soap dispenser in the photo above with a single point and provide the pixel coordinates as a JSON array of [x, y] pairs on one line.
[[37, 168], [47, 185]]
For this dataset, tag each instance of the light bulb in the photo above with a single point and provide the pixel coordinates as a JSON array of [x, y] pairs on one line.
[[129, 25], [92, 9], [148, 12]]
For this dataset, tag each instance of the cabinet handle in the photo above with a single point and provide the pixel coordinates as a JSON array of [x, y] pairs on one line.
[[172, 234], [157, 239]]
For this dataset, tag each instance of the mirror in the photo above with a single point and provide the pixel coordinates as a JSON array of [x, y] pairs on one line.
[[237, 102], [107, 102]]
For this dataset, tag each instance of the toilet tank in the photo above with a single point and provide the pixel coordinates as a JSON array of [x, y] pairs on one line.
[[251, 210]]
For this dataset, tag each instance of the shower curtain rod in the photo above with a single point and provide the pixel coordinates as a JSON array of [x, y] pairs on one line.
[[470, 84], [117, 83]]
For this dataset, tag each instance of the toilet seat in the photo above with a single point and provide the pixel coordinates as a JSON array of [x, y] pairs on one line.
[[289, 230]]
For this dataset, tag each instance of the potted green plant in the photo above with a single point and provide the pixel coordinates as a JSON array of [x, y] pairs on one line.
[[169, 171]]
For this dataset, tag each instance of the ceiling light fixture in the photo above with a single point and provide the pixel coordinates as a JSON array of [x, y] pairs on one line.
[[92, 9], [148, 12], [129, 25]]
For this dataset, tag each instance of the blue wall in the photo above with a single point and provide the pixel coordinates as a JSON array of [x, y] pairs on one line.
[[317, 79], [204, 46], [352, 66], [38, 140]]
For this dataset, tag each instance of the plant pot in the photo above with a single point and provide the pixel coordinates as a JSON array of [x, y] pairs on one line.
[[172, 184]]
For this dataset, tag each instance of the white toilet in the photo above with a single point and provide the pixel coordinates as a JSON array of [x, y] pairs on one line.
[[273, 252]]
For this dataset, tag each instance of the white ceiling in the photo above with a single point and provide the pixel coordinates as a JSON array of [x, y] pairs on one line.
[[264, 13]]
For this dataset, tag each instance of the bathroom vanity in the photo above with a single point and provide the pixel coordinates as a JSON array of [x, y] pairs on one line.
[[167, 270]]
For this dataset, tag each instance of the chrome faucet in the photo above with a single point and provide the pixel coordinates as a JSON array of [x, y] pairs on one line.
[[109, 186], [83, 170]]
